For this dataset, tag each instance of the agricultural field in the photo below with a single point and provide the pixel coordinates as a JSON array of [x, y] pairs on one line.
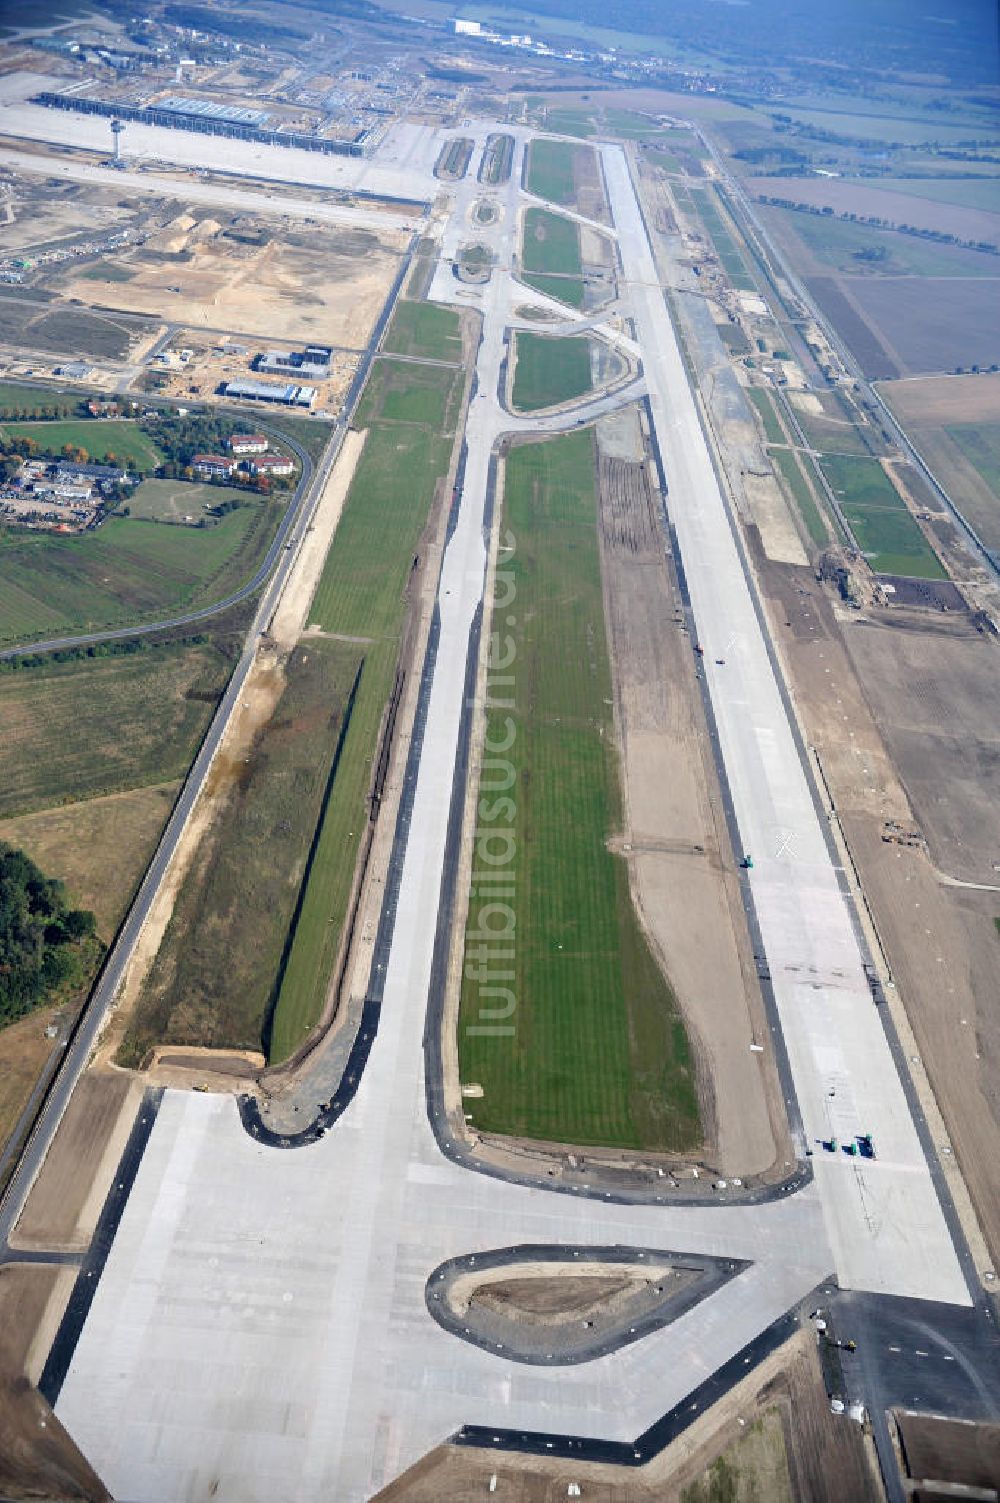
[[181, 501], [935, 327], [968, 192], [885, 531], [764, 405], [362, 594], [725, 246], [75, 730], [596, 1052], [126, 572], [424, 331], [787, 463], [865, 344], [214, 978], [551, 257], [861, 249], [100, 437], [904, 204], [955, 423], [548, 371]]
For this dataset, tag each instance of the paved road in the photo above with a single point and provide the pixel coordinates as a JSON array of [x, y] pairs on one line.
[[312, 1368]]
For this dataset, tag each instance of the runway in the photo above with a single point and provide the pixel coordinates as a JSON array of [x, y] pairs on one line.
[[260, 1329]]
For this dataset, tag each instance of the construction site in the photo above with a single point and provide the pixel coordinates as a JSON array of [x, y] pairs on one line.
[[557, 953]]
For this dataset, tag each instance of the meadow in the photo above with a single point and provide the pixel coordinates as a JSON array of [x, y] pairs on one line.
[[424, 331], [71, 731], [550, 256], [125, 572], [596, 1052], [100, 437], [551, 171]]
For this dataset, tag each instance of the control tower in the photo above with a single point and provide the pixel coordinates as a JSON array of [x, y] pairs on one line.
[[117, 126]]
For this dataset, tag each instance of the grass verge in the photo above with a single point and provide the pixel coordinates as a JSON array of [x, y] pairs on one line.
[[589, 1047], [424, 331], [548, 371], [725, 246], [764, 405], [788, 465]]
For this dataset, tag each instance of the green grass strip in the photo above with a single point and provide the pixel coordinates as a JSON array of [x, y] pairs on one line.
[[797, 483], [765, 407], [548, 371], [584, 1044]]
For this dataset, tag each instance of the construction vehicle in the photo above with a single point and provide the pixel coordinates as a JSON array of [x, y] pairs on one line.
[[866, 1145], [747, 863]]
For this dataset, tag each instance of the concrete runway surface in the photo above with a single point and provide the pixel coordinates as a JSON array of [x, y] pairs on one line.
[[260, 1328]]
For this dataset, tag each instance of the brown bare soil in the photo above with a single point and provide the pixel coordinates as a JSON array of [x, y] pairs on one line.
[[910, 685], [550, 1299], [589, 185], [944, 399], [99, 848], [65, 1201], [37, 1458], [952, 1452], [931, 324], [774, 1431], [681, 867], [286, 288]]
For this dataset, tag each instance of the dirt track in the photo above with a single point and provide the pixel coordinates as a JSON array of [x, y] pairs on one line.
[[681, 868], [62, 1209]]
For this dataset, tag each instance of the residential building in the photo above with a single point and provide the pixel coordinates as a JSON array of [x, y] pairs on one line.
[[272, 464], [248, 443], [213, 466]]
